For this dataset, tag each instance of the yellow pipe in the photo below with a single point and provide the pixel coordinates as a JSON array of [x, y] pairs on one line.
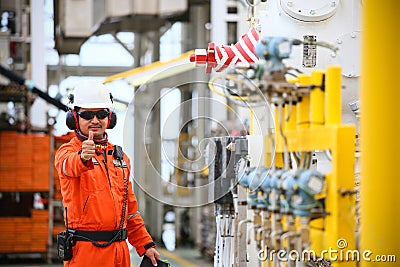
[[380, 146], [333, 99], [317, 100], [226, 77], [150, 67], [284, 122], [291, 111], [278, 139], [292, 80], [303, 107]]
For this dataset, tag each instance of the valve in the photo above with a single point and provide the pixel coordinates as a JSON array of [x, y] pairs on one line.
[[309, 183], [274, 50], [289, 188], [245, 177], [276, 190], [220, 57], [245, 180], [253, 178], [260, 174], [265, 188], [266, 184]]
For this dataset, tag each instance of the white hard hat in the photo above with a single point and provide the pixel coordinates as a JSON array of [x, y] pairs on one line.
[[91, 94]]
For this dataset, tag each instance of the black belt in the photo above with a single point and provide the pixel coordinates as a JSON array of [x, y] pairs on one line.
[[107, 236]]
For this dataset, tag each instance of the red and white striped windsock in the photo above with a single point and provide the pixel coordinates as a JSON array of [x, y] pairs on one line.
[[220, 57]]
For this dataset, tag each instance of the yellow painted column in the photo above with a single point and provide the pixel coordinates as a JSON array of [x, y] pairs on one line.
[[380, 145], [269, 148], [251, 126], [303, 106], [317, 97], [333, 97]]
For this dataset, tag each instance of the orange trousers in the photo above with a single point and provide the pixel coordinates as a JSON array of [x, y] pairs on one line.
[[85, 254]]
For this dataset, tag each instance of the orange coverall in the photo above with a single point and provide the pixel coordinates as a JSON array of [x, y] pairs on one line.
[[93, 194]]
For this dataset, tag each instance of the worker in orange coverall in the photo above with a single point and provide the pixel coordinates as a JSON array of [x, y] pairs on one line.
[[102, 210]]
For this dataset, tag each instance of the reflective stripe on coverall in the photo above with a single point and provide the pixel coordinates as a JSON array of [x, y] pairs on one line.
[[93, 194]]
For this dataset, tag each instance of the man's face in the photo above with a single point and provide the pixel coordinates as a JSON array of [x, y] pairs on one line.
[[97, 125]]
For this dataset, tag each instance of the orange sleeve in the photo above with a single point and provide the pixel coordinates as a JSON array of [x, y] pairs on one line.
[[68, 162]]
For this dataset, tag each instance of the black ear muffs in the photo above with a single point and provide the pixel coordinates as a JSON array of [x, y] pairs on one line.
[[72, 120], [112, 120]]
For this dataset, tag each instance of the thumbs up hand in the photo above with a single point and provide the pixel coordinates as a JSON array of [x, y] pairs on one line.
[[88, 148]]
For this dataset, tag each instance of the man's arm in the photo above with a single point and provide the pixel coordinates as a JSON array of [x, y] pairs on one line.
[[69, 162]]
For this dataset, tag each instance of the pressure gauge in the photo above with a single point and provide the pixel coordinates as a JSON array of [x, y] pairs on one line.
[[315, 184]]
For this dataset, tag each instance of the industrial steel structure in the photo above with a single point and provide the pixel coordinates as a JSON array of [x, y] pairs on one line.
[[265, 136]]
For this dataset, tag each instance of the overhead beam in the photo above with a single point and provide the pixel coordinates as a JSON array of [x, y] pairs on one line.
[[85, 70]]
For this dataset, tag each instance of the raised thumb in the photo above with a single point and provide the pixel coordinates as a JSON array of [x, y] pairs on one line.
[[90, 135]]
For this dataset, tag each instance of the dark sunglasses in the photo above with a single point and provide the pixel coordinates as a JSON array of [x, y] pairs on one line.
[[88, 114]]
